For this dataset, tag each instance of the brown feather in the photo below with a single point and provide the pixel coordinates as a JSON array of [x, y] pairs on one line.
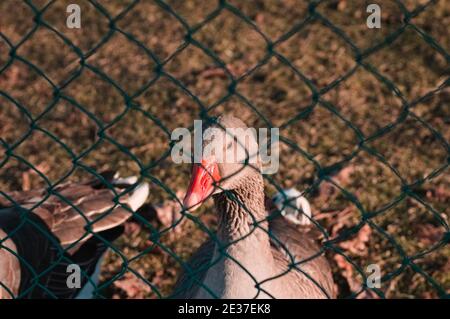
[[187, 284], [300, 242], [9, 269], [68, 214]]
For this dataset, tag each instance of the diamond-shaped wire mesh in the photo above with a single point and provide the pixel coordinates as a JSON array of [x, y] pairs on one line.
[[363, 118]]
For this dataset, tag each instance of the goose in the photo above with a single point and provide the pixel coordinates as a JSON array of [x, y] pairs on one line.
[[48, 233], [251, 255]]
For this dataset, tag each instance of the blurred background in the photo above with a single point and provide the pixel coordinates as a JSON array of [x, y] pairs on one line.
[[363, 115]]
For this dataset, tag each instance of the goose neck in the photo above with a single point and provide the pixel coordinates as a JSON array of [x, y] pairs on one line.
[[241, 210]]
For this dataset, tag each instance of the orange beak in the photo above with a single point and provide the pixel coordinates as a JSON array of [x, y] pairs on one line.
[[203, 178]]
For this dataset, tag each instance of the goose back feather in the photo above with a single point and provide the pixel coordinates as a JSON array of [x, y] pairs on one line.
[[51, 231]]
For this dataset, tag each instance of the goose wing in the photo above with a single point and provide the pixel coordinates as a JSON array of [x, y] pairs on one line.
[[190, 281], [35, 224], [300, 242], [9, 268], [73, 212]]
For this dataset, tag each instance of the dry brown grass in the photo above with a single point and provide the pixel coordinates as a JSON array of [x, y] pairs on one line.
[[274, 89]]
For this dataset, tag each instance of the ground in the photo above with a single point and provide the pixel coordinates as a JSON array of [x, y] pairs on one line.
[[363, 114]]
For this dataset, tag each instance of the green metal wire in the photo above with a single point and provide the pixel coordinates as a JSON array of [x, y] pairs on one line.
[[322, 173]]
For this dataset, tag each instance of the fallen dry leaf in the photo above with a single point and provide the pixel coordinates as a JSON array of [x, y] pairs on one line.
[[213, 72], [358, 245], [169, 212], [132, 286], [132, 228], [341, 220], [440, 193], [26, 183], [328, 192], [429, 234], [348, 273]]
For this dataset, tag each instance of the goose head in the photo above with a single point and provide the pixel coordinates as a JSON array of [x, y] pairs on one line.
[[229, 157]]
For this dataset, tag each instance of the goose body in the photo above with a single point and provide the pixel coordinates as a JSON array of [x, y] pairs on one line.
[[41, 234], [252, 255]]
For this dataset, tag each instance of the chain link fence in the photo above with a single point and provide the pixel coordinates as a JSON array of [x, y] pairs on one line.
[[358, 137]]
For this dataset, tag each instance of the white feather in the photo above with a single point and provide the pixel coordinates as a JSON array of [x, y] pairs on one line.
[[293, 206], [130, 180], [139, 196], [88, 289]]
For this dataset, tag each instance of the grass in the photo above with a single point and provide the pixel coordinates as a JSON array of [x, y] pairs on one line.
[[90, 117]]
